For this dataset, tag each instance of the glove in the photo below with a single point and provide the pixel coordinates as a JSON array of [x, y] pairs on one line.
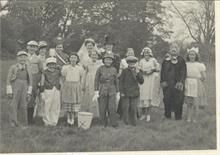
[[96, 96], [179, 86], [117, 97]]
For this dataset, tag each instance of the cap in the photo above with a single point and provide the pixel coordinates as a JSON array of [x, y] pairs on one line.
[[42, 44], [148, 50], [22, 53], [131, 58], [32, 42], [51, 60]]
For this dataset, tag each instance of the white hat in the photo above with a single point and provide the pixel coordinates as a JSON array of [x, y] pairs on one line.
[[51, 60], [22, 53], [42, 44], [147, 49], [195, 49], [32, 42]]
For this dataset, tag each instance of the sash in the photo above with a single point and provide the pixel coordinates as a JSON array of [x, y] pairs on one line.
[[61, 59]]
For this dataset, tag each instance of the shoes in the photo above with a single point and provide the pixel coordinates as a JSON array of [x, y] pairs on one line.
[[148, 118]]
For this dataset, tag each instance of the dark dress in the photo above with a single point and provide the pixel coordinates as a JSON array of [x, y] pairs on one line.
[[173, 98]]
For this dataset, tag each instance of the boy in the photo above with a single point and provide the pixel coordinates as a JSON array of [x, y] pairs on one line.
[[130, 79], [19, 88]]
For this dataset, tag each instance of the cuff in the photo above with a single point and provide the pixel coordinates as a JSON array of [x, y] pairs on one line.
[[29, 89], [9, 89]]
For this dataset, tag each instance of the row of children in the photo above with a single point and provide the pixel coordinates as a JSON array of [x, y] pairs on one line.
[[81, 82]]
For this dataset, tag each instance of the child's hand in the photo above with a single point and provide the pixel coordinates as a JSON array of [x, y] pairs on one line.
[[10, 96], [179, 86], [28, 97]]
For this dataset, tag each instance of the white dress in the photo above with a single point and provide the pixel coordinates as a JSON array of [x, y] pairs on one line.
[[193, 84], [150, 89]]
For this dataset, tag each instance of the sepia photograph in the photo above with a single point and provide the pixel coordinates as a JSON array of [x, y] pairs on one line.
[[93, 76]]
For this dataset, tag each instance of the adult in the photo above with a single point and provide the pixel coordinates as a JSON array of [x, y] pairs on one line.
[[173, 75], [36, 67], [43, 52]]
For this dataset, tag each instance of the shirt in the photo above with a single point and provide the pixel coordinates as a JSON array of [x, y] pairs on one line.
[[194, 69], [51, 79], [35, 64], [73, 74]]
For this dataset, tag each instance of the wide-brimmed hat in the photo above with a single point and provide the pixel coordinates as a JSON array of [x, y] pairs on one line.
[[42, 44], [109, 55], [22, 53], [32, 43], [131, 59], [51, 60], [148, 50]]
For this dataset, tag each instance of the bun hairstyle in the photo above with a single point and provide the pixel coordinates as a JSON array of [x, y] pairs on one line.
[[89, 40], [73, 53]]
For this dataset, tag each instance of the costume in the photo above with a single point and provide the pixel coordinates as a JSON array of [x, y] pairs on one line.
[[172, 73], [19, 84]]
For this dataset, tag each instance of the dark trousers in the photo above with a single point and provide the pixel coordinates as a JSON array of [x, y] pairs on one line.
[[173, 101], [107, 105], [129, 106]]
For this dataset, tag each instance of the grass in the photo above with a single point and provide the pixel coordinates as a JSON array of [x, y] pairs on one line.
[[157, 135]]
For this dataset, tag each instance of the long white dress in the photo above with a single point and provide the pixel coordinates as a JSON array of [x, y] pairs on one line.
[[150, 90]]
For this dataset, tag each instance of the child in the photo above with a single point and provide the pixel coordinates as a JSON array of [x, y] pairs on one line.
[[36, 66], [50, 85], [107, 90], [72, 87], [129, 89], [194, 89], [150, 90], [91, 67], [19, 88]]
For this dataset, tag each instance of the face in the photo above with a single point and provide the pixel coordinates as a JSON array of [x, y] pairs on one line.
[[32, 49], [192, 56], [42, 51], [59, 48], [73, 59], [131, 64], [174, 53], [94, 56], [130, 53], [89, 46], [108, 47], [51, 65], [108, 61], [22, 59], [146, 54]]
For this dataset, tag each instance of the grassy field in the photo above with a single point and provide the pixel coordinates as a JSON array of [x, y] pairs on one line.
[[157, 135]]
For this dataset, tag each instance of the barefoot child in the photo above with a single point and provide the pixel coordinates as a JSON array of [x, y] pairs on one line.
[[72, 87], [194, 89], [130, 79], [19, 88], [50, 85]]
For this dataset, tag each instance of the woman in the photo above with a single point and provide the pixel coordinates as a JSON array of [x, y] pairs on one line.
[[90, 70]]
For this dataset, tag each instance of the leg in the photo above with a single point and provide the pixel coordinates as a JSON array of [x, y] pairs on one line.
[[103, 109], [125, 108], [120, 108], [133, 110], [48, 103], [112, 110], [178, 102], [22, 113], [167, 102]]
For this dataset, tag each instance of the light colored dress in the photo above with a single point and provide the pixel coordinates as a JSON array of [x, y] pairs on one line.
[[150, 90], [87, 104], [72, 87], [193, 84]]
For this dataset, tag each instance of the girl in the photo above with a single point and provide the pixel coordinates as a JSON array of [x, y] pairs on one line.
[[107, 90], [91, 67], [50, 85], [19, 89], [194, 89], [149, 91], [72, 87]]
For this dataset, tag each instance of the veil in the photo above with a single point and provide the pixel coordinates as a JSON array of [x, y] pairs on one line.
[[83, 52]]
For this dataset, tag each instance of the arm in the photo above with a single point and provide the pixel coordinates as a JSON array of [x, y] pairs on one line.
[[97, 79], [30, 81], [140, 77], [121, 82], [116, 81], [40, 65], [163, 73], [8, 81], [182, 71]]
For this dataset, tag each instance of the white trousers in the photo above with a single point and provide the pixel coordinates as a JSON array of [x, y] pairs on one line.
[[52, 106]]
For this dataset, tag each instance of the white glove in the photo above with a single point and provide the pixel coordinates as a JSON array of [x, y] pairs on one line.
[[96, 96], [117, 98]]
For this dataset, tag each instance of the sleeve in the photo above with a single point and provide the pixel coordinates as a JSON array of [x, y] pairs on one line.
[[116, 80], [8, 81], [64, 70], [30, 87], [156, 65], [140, 77], [182, 71], [202, 67], [163, 73], [82, 75], [40, 65], [97, 79], [121, 82]]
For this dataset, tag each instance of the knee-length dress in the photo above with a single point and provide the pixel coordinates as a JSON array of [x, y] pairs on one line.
[[87, 104], [193, 84], [72, 87], [150, 89]]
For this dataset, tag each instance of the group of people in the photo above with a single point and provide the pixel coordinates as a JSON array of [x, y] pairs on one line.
[[96, 80]]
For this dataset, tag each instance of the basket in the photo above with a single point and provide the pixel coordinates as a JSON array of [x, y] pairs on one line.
[[84, 120]]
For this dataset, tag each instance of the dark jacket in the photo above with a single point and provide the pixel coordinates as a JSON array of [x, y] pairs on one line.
[[51, 79], [129, 82], [173, 73]]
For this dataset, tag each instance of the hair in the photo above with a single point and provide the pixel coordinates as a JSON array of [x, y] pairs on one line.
[[93, 52], [89, 41], [73, 53], [196, 59]]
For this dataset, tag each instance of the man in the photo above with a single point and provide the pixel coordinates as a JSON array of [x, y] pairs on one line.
[[173, 75]]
